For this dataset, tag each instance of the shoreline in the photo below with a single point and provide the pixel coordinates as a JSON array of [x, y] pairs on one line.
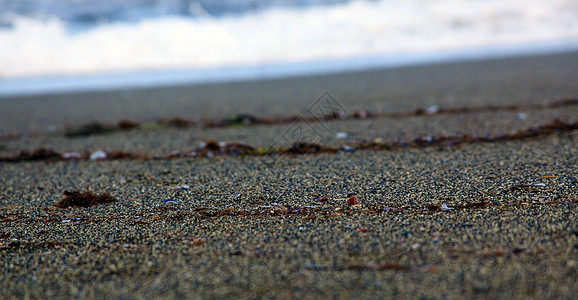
[[538, 79], [90, 83]]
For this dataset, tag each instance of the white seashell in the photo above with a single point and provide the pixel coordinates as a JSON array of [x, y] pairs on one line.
[[341, 135], [72, 155], [97, 155], [171, 202], [432, 110], [446, 208]]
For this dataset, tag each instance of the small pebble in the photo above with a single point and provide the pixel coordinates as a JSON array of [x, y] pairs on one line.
[[341, 135], [433, 109], [446, 208], [171, 202], [72, 155], [98, 155]]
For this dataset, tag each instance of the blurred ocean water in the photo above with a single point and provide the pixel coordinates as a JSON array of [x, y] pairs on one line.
[[194, 40]]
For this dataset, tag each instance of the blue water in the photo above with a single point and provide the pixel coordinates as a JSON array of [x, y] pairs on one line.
[[88, 14]]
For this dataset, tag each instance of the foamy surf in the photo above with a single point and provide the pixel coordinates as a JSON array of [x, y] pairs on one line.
[[281, 40]]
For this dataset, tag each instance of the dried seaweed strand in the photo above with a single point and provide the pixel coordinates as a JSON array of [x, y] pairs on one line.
[[214, 148]]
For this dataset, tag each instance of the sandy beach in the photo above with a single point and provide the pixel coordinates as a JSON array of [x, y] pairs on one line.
[[455, 180]]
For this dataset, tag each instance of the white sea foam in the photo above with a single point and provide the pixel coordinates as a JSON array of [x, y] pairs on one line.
[[33, 48]]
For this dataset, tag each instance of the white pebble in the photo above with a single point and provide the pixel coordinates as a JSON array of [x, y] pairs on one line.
[[98, 154], [446, 208], [432, 110], [341, 135], [72, 155], [171, 202]]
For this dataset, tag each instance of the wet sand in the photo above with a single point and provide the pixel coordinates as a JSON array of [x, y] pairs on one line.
[[478, 220]]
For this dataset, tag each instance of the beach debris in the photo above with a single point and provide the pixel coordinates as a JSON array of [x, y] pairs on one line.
[[84, 199], [303, 147], [128, 246], [213, 148], [183, 187], [432, 109], [127, 124], [353, 201], [363, 230], [526, 187], [480, 204], [341, 135], [362, 114], [72, 155], [98, 155], [198, 241], [178, 122], [247, 119], [323, 200], [171, 202], [39, 154], [444, 207]]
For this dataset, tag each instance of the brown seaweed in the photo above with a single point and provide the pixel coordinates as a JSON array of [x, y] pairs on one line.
[[89, 129], [39, 154], [84, 199], [214, 148]]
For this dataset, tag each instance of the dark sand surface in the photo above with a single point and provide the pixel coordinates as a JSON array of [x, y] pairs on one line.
[[252, 226]]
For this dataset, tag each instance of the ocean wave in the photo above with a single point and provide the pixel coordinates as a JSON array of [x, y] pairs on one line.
[[40, 47]]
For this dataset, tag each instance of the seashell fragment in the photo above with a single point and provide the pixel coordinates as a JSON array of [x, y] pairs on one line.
[[98, 155]]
